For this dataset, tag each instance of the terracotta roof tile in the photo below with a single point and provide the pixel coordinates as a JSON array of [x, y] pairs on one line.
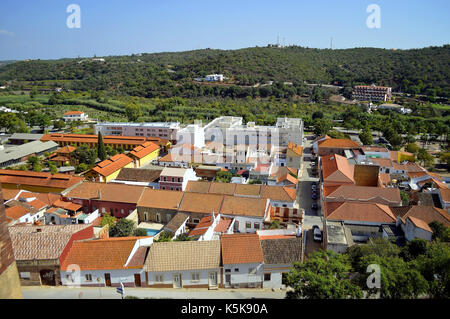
[[175, 223], [110, 192], [365, 194], [298, 150], [338, 143], [282, 251], [163, 199], [241, 249], [243, 206], [201, 203], [144, 149], [43, 179], [369, 212], [15, 212], [100, 254], [428, 214], [336, 168], [109, 166], [138, 174], [445, 194], [419, 223]]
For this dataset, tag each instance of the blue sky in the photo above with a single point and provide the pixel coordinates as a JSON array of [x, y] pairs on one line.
[[31, 29]]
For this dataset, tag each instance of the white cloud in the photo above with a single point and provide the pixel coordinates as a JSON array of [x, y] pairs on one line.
[[6, 32]]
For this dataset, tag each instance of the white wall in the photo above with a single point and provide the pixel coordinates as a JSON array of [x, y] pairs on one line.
[[242, 220], [276, 275], [242, 276], [117, 275], [185, 277]]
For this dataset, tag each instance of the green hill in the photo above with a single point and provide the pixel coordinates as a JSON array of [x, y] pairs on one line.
[[424, 71]]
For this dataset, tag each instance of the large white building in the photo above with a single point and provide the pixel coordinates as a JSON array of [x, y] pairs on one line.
[[164, 130], [230, 130]]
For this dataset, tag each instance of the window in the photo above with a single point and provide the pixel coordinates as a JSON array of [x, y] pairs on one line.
[[256, 225], [173, 179], [179, 179], [25, 275], [267, 276], [227, 270], [252, 271], [236, 269], [159, 278], [69, 278], [195, 277], [88, 277], [158, 217], [248, 225], [196, 220]]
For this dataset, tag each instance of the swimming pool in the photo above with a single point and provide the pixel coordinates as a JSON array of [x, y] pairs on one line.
[[152, 232]]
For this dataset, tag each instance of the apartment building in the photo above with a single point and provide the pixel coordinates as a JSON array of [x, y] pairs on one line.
[[164, 130], [372, 93]]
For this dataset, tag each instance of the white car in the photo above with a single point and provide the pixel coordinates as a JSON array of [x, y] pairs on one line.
[[317, 233]]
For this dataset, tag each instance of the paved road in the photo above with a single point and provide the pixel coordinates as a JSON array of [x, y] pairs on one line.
[[304, 187], [153, 293]]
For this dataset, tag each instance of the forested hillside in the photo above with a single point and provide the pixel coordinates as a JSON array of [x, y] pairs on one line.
[[418, 71]]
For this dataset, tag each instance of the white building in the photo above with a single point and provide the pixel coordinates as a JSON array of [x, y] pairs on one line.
[[184, 264], [243, 261], [75, 116], [106, 262], [193, 134], [164, 130], [214, 78]]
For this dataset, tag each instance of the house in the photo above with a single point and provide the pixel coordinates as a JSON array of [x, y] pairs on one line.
[[25, 210], [164, 130], [144, 154], [176, 178], [39, 182], [294, 155], [335, 170], [109, 169], [362, 194], [279, 256], [212, 227], [283, 176], [39, 250], [158, 206], [71, 116], [415, 220], [242, 260], [19, 154], [118, 200], [315, 143], [336, 146], [208, 172], [359, 213], [199, 205], [63, 156], [184, 264], [106, 262], [139, 176]]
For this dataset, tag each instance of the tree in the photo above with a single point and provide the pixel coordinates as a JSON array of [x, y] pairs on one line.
[[412, 148], [52, 167], [81, 168], [123, 228], [275, 224], [33, 92], [85, 155], [164, 236], [59, 125], [324, 275], [440, 232], [322, 126], [426, 158], [183, 237], [445, 159], [101, 151], [224, 176], [34, 163], [139, 232], [133, 112], [107, 219], [317, 115], [405, 197], [366, 136]]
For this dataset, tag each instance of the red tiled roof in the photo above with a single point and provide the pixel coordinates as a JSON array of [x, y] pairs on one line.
[[295, 148], [201, 203], [445, 194], [15, 212], [42, 179], [111, 253], [336, 168], [419, 223], [91, 138], [241, 249], [110, 192], [73, 113], [144, 149], [109, 166], [368, 212], [163, 199], [364, 194], [428, 214], [243, 206], [339, 143]]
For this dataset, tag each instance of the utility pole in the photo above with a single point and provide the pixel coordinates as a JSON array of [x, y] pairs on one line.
[[331, 44]]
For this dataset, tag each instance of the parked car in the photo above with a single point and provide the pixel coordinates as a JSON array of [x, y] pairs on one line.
[[317, 233], [314, 183], [314, 196], [314, 206], [314, 187]]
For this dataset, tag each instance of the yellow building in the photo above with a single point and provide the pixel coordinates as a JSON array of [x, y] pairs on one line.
[[108, 170], [144, 154]]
